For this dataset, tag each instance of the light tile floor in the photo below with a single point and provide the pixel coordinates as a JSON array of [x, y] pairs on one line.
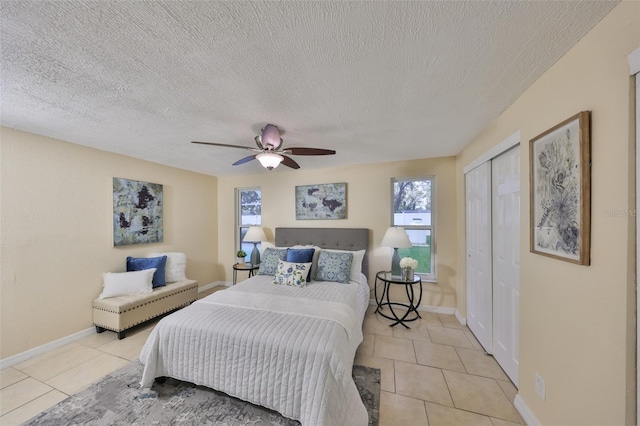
[[436, 373]]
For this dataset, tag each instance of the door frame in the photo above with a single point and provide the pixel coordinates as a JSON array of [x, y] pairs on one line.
[[511, 141], [634, 68]]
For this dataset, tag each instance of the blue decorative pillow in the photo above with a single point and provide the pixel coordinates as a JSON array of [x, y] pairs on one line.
[[334, 266], [269, 260], [290, 273], [142, 263], [300, 255]]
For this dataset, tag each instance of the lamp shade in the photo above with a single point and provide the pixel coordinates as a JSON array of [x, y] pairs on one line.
[[396, 237], [254, 234], [269, 160]]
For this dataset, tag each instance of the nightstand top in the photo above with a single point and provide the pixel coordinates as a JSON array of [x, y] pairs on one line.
[[245, 266]]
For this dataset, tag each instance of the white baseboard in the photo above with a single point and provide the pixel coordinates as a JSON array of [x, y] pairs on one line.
[[426, 308], [462, 320], [39, 350], [525, 412], [212, 285], [436, 309]]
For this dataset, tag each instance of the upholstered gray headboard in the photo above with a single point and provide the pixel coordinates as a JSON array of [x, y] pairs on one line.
[[328, 238]]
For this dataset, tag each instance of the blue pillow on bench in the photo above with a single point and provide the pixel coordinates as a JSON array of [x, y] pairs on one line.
[[142, 263]]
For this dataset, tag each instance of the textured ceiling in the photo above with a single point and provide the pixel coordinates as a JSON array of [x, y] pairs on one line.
[[376, 81]]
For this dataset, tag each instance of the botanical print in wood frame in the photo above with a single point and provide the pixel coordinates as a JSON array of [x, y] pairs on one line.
[[323, 201], [137, 212], [560, 191]]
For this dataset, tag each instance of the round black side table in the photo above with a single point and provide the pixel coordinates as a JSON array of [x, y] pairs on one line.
[[243, 267], [386, 280]]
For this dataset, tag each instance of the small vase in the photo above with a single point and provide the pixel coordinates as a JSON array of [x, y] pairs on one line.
[[407, 274], [240, 260]]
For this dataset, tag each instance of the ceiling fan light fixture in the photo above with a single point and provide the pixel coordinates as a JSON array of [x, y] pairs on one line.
[[271, 136], [268, 149], [269, 160]]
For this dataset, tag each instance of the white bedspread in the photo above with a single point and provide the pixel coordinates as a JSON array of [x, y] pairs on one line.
[[293, 352]]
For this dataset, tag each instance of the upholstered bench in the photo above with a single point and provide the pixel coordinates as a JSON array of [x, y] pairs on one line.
[[123, 312]]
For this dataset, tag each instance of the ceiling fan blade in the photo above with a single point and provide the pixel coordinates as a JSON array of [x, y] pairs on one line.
[[309, 151], [244, 160], [224, 144], [289, 162]]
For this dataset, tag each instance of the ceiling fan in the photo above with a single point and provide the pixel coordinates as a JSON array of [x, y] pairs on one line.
[[269, 151]]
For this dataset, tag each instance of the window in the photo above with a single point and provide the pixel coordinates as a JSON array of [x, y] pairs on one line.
[[248, 213], [412, 208]]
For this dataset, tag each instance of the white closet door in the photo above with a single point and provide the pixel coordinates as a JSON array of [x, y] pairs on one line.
[[478, 218], [506, 260]]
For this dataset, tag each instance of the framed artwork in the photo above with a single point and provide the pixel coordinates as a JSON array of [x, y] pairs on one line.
[[323, 201], [560, 191], [137, 212]]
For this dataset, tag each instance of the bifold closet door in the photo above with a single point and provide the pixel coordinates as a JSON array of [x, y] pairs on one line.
[[505, 214], [478, 236]]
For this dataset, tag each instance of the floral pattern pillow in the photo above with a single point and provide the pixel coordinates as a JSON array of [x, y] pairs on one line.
[[269, 261], [289, 273], [334, 266]]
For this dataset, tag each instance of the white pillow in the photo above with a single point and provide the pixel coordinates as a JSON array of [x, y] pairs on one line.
[[174, 269], [293, 274], [126, 283], [356, 263]]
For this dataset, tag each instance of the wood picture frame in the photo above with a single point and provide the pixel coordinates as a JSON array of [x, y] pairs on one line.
[[560, 191]]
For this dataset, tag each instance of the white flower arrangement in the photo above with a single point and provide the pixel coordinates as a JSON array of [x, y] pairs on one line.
[[408, 262]]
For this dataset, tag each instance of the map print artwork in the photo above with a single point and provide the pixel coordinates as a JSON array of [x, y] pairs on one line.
[[323, 201]]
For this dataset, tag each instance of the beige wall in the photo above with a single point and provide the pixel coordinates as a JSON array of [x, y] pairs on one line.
[[56, 227], [368, 206], [577, 322]]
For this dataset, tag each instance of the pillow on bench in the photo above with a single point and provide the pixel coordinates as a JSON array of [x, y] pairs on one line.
[[142, 263], [175, 267], [126, 283]]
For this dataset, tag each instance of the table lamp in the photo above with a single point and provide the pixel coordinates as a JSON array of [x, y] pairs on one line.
[[396, 237], [254, 235]]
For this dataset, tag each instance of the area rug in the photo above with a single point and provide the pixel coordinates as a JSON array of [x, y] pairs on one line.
[[118, 400]]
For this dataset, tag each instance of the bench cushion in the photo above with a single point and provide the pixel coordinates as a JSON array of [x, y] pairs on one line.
[[123, 312]]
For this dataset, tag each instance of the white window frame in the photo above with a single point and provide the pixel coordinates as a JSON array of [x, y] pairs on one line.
[[432, 277], [238, 225]]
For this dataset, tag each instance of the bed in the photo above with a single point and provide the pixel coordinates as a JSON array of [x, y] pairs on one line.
[[286, 348]]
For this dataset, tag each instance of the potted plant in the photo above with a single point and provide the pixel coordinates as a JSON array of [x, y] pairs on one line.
[[240, 255]]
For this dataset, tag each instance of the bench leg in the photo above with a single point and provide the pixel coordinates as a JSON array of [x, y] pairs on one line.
[[121, 334], [100, 329]]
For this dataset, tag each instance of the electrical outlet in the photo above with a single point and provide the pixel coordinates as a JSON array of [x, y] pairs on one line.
[[540, 390]]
